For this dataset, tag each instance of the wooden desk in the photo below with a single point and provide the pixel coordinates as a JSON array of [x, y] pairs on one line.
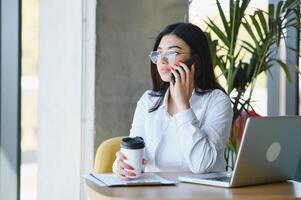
[[284, 190]]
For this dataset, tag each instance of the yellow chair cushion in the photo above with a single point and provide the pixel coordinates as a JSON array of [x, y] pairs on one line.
[[105, 155]]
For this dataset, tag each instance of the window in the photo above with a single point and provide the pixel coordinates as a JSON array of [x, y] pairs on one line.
[[29, 90]]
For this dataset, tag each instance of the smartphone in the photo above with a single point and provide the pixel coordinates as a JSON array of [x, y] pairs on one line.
[[189, 63]]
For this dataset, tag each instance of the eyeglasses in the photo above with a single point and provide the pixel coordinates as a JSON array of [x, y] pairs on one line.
[[169, 56]]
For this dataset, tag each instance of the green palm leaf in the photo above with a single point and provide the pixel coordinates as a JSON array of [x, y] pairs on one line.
[[256, 53]]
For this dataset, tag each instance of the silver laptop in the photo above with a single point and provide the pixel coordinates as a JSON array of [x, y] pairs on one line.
[[269, 152]]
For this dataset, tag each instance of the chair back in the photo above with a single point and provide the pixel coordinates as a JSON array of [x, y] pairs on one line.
[[105, 155]]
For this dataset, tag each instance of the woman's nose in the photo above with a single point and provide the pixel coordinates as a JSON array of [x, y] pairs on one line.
[[163, 59]]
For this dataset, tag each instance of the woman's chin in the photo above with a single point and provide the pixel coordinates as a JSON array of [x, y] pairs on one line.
[[165, 78]]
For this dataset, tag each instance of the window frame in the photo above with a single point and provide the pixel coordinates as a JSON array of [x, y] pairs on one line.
[[10, 87]]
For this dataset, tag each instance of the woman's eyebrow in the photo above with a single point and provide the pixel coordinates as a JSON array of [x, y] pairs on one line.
[[174, 46], [171, 47]]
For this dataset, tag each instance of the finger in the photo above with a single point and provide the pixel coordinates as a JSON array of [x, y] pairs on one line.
[[122, 176], [126, 173], [144, 161], [177, 76], [187, 74], [185, 67], [120, 156], [181, 72], [124, 165]]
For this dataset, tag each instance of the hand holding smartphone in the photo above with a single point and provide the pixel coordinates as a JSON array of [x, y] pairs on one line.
[[189, 63]]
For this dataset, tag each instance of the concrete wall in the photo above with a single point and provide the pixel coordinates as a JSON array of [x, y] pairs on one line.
[[69, 81], [125, 36]]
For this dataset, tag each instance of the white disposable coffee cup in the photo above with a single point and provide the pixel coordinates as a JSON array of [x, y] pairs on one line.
[[133, 149]]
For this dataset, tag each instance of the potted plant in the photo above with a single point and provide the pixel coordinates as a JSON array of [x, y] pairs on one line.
[[241, 60]]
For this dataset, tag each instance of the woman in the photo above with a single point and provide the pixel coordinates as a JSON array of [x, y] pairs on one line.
[[184, 124]]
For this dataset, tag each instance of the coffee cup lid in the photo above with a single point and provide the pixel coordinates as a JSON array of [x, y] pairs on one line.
[[132, 143]]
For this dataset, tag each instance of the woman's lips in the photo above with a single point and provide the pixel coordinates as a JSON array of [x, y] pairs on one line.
[[165, 70]]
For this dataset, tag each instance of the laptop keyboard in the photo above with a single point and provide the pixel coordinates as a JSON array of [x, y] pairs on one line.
[[222, 178]]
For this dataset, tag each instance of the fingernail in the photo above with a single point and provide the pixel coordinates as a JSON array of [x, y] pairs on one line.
[[131, 168], [132, 174]]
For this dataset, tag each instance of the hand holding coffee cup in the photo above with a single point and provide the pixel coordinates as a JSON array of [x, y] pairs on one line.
[[129, 160]]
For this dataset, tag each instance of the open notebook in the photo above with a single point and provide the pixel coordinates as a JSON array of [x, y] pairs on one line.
[[111, 180]]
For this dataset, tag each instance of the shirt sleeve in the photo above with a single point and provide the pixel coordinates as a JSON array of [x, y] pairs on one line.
[[201, 145]]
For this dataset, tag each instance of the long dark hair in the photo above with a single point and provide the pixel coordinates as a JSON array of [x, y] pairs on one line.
[[205, 80]]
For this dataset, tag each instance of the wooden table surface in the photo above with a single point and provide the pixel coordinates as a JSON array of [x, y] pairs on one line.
[[283, 191]]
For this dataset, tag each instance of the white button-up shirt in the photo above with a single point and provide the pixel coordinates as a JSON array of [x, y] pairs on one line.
[[191, 140]]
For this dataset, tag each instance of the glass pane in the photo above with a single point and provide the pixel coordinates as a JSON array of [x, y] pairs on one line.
[[199, 11], [30, 11]]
